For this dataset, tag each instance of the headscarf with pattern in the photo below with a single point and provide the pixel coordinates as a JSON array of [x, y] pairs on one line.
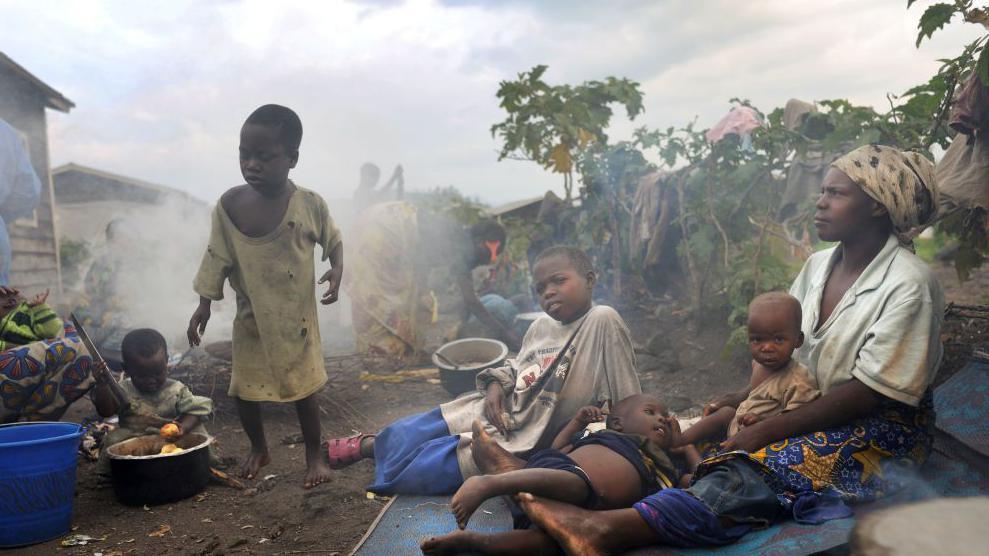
[[901, 181]]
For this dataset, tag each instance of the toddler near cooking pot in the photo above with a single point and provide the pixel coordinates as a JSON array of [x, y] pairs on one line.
[[145, 357]]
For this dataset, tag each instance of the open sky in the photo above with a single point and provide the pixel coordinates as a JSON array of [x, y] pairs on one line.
[[162, 88]]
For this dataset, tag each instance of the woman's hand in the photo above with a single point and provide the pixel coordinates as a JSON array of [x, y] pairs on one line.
[[750, 438], [494, 407]]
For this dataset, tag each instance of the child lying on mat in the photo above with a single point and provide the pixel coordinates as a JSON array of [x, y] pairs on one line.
[[611, 468], [778, 384]]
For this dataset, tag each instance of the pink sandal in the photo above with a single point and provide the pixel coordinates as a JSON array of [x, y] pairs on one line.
[[341, 452]]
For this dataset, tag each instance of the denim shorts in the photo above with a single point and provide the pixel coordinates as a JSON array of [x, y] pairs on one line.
[[733, 489]]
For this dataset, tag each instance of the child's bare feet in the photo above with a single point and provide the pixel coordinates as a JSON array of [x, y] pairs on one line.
[[489, 456], [253, 463], [317, 472], [317, 467], [457, 542], [575, 529], [469, 496]]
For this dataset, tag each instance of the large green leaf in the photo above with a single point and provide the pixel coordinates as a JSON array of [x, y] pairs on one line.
[[935, 17]]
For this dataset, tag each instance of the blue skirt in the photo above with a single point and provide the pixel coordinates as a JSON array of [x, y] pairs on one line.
[[416, 455]]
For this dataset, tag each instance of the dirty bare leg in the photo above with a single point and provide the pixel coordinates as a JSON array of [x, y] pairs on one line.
[[552, 483], [509, 543], [317, 469], [585, 533], [250, 419], [489, 456]]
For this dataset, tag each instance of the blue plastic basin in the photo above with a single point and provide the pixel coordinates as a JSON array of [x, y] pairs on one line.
[[37, 481]]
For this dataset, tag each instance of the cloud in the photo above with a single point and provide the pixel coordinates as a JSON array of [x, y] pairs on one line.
[[161, 93]]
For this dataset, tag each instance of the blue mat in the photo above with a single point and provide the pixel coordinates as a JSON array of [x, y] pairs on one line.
[[407, 520], [962, 405], [410, 519], [788, 538]]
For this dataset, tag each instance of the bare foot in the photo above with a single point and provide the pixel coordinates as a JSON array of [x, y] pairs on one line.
[[254, 462], [575, 529], [454, 543], [469, 496], [317, 472], [489, 456]]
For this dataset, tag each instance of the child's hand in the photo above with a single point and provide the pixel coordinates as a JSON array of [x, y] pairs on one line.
[[589, 414], [494, 407], [676, 435], [332, 279], [197, 324], [102, 373], [38, 299], [749, 419]]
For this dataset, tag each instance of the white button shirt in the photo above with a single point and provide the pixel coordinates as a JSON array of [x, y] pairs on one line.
[[885, 331]]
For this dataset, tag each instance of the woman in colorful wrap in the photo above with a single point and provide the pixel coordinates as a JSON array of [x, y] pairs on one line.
[[43, 365], [576, 355], [872, 320], [398, 248]]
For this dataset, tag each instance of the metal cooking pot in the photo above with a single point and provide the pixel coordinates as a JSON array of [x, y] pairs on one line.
[[143, 476], [460, 361]]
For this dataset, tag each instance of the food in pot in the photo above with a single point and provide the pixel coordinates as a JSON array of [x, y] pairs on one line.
[[169, 449]]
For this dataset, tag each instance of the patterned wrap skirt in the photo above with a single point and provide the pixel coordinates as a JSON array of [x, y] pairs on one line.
[[39, 381], [861, 461]]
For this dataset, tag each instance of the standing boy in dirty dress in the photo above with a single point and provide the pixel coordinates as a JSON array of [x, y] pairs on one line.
[[262, 241]]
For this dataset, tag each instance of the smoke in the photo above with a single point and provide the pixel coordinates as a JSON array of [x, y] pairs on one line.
[[141, 270], [130, 266]]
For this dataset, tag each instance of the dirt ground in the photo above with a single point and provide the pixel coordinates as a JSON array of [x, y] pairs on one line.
[[274, 516], [681, 362]]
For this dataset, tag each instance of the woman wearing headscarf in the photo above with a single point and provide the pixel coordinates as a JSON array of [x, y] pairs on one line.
[[872, 313]]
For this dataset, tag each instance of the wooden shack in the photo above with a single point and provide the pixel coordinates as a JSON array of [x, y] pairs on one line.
[[88, 199], [24, 100]]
